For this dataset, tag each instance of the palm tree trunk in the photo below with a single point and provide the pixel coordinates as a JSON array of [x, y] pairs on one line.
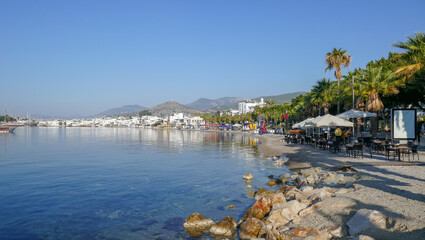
[[339, 95]]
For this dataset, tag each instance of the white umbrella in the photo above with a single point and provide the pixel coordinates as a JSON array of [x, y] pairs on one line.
[[237, 125], [355, 114], [301, 124], [312, 122], [332, 121]]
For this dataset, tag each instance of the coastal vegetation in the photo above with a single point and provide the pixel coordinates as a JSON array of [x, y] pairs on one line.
[[397, 80], [8, 118]]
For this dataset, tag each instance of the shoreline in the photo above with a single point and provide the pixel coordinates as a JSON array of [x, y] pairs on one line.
[[391, 187]]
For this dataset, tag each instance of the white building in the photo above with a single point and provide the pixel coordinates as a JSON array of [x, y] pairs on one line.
[[195, 121], [249, 105]]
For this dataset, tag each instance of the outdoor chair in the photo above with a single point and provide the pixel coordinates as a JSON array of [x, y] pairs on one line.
[[349, 149], [301, 140], [336, 146], [308, 140], [357, 148], [390, 148], [413, 149]]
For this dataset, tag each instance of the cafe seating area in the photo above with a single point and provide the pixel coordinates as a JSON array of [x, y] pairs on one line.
[[358, 147], [353, 134]]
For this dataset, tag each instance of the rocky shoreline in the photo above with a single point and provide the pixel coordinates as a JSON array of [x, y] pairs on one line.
[[326, 202]]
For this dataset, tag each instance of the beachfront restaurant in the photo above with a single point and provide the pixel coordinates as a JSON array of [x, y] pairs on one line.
[[356, 132]]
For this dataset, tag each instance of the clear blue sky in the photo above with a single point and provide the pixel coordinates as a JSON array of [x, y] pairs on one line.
[[83, 57]]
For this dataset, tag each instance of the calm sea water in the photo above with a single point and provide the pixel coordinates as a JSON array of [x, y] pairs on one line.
[[109, 183]]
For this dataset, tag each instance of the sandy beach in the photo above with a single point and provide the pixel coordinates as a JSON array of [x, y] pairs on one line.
[[385, 185]]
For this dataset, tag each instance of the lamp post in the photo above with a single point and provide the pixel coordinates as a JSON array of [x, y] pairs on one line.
[[353, 88]]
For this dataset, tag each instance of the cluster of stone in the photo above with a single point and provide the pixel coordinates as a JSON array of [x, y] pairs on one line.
[[317, 177], [196, 225], [273, 211], [276, 213]]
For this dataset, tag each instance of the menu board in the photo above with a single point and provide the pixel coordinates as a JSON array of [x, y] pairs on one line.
[[403, 124]]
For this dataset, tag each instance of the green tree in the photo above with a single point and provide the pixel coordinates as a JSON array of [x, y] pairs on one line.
[[270, 102], [377, 82], [414, 56], [335, 60], [145, 113]]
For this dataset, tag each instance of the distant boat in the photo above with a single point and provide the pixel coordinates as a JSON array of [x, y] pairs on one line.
[[8, 128]]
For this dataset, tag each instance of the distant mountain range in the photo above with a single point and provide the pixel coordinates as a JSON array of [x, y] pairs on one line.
[[122, 110], [200, 105], [204, 104]]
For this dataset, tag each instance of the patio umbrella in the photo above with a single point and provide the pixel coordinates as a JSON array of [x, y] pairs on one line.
[[355, 114], [332, 121], [301, 124], [312, 122], [237, 125]]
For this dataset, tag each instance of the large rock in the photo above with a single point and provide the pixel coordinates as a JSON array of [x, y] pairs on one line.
[[304, 233], [247, 178], [250, 228], [310, 209], [306, 188], [292, 193], [291, 209], [261, 193], [272, 230], [319, 194], [365, 220], [335, 232], [313, 179], [284, 176], [226, 228], [196, 225], [283, 213], [272, 182], [263, 206]]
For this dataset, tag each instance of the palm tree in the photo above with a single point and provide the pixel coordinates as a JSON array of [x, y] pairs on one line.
[[335, 60], [270, 103], [376, 82], [323, 94], [414, 56]]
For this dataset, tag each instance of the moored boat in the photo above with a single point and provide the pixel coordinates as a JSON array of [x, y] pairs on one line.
[[8, 128]]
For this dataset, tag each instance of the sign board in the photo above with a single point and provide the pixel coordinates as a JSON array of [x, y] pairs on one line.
[[403, 124]]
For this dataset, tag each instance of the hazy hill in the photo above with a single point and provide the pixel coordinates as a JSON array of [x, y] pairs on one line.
[[280, 99], [203, 104], [121, 110], [170, 107]]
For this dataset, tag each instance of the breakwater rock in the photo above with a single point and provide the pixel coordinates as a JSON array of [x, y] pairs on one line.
[[278, 213]]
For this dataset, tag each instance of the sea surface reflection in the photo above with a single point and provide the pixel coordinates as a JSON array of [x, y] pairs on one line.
[[122, 183]]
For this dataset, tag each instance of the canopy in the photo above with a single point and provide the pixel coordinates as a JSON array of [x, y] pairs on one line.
[[237, 125], [301, 124], [355, 114], [211, 125], [332, 121], [328, 121], [312, 122]]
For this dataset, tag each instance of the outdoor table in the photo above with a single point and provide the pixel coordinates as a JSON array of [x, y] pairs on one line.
[[400, 149], [397, 149], [353, 148]]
